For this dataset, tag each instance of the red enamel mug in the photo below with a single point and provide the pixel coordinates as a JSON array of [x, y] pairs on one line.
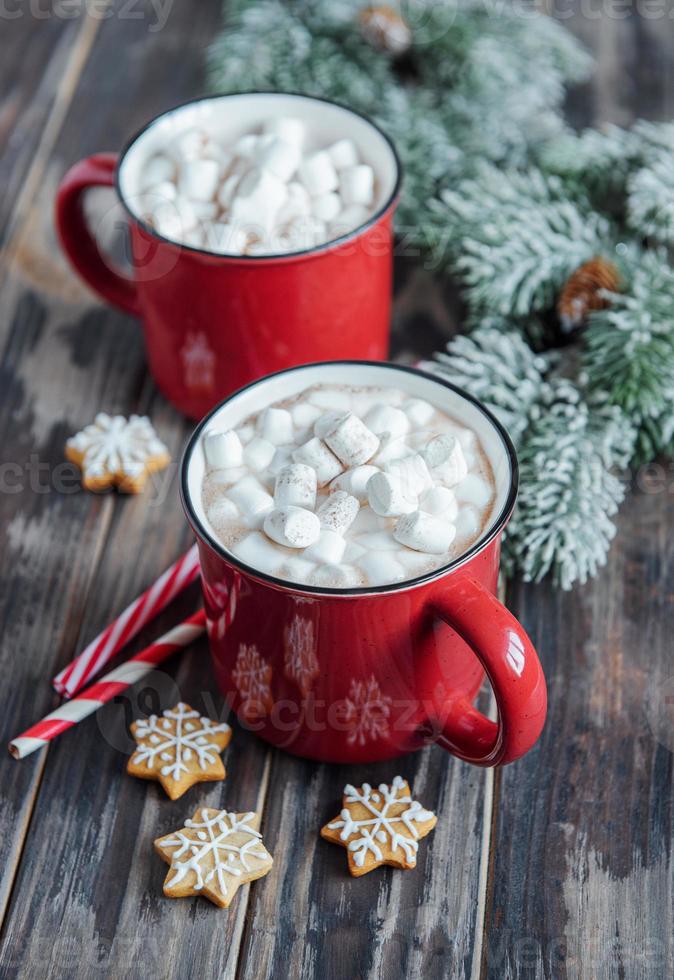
[[359, 675], [214, 322]]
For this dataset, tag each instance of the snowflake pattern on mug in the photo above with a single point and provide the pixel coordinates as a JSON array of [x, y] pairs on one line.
[[252, 679], [380, 826], [366, 712], [198, 362], [299, 644]]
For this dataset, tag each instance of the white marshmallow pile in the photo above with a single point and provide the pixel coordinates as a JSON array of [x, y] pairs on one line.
[[347, 487], [271, 191]]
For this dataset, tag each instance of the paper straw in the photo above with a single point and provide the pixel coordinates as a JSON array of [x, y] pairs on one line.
[[72, 712], [127, 625]]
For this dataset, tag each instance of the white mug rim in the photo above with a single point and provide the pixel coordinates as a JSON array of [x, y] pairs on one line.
[[276, 257], [496, 526]]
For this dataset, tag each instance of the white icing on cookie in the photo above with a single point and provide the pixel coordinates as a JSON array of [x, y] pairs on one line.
[[381, 827], [113, 444], [214, 854], [174, 740]]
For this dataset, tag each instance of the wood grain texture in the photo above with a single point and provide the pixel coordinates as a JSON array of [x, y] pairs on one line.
[[581, 864], [558, 867]]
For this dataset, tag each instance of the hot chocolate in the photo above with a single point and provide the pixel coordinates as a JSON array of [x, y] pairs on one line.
[[347, 487]]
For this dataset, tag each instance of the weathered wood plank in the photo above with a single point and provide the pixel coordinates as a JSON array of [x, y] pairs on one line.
[[582, 872], [63, 360]]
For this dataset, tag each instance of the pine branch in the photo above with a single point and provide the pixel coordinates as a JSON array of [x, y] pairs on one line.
[[630, 353], [568, 494], [498, 368], [520, 238], [650, 202]]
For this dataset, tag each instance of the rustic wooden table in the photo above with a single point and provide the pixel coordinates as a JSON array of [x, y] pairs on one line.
[[558, 866]]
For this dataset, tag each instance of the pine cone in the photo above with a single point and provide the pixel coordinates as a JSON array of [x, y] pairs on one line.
[[385, 29], [582, 292]]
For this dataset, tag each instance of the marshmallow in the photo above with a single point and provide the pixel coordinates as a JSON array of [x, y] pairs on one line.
[[252, 500], [326, 206], [246, 433], [355, 481], [389, 497], [160, 193], [304, 415], [222, 511], [223, 449], [473, 490], [286, 128], [351, 441], [258, 552], [467, 522], [281, 458], [424, 532], [326, 422], [414, 562], [246, 146], [297, 569], [302, 233], [350, 218], [366, 522], [296, 487], [293, 527], [439, 501], [444, 454], [391, 448], [160, 169], [356, 184], [297, 204], [227, 190], [318, 174], [386, 418], [328, 550], [336, 577], [353, 552], [258, 197], [343, 153], [199, 179], [467, 438], [173, 219], [334, 399], [276, 425], [227, 477], [258, 453], [418, 412], [279, 158], [317, 455], [381, 568], [338, 511], [379, 541], [190, 144], [205, 210], [412, 473], [225, 239]]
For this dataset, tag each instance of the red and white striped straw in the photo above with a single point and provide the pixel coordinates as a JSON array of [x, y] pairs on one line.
[[127, 625], [70, 713]]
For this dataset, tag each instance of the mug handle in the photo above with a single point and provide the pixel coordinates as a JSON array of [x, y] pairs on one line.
[[514, 671], [76, 239]]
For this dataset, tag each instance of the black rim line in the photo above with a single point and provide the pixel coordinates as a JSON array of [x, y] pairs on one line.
[[277, 256], [495, 529]]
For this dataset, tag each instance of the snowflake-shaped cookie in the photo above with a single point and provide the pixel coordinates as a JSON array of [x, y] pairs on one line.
[[213, 855], [117, 452], [179, 749], [380, 826]]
